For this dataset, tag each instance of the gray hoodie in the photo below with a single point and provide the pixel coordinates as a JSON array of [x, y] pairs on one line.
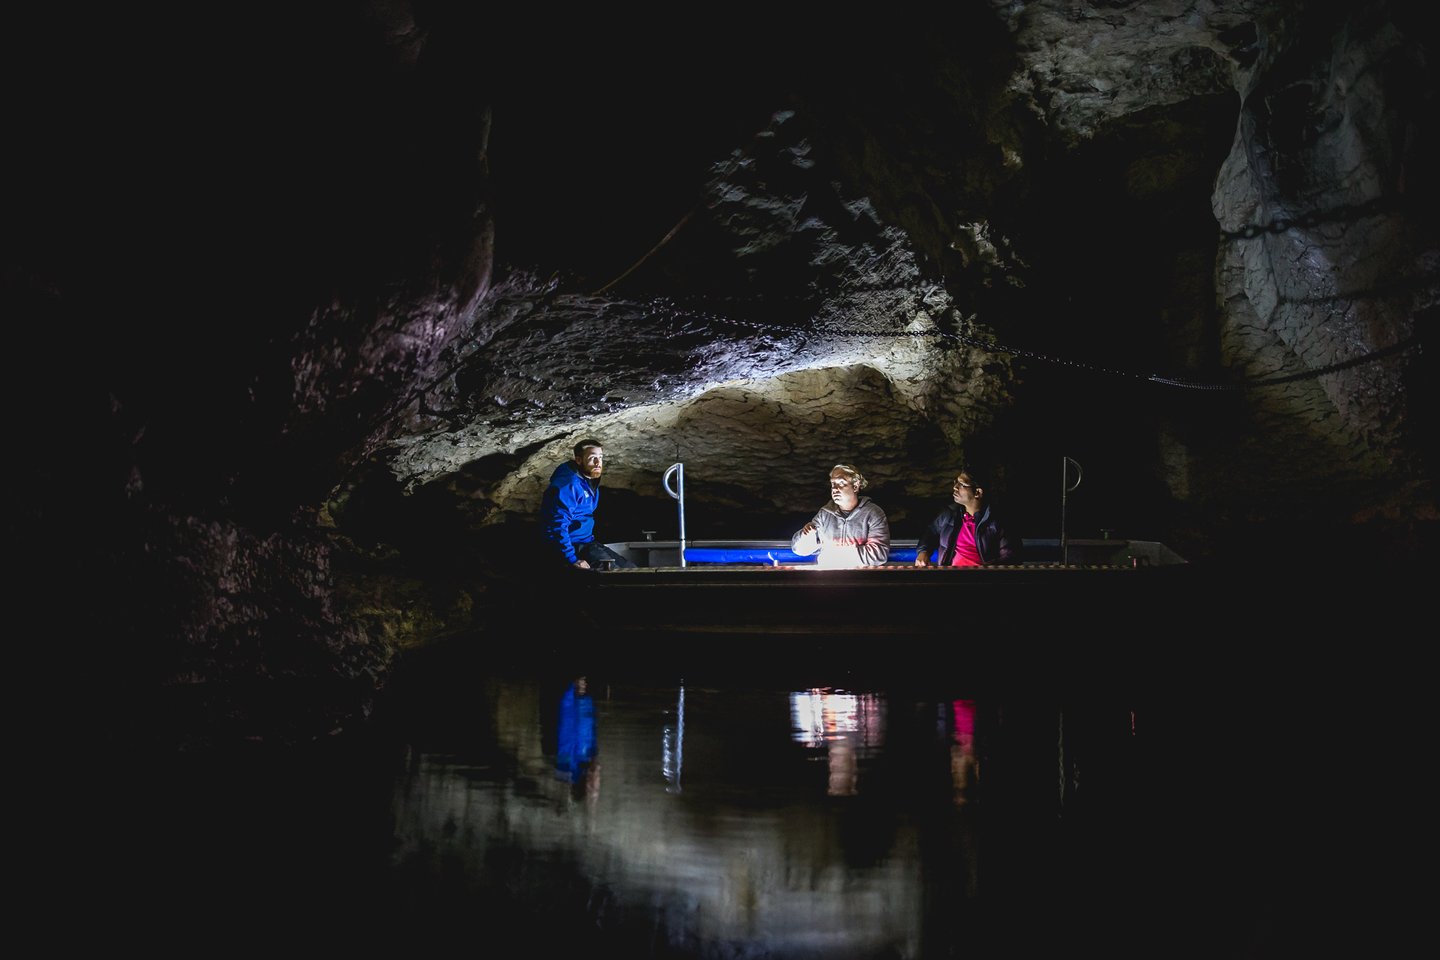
[[860, 538]]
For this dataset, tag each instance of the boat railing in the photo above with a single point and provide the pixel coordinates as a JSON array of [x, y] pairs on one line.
[[1066, 488], [677, 492], [776, 553], [1038, 552]]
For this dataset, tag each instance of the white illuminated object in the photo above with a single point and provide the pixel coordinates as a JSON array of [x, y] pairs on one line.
[[838, 557], [821, 716]]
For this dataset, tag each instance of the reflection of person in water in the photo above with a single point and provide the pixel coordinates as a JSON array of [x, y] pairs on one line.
[[964, 764], [575, 734]]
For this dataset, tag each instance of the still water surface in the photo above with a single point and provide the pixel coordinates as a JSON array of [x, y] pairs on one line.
[[752, 812]]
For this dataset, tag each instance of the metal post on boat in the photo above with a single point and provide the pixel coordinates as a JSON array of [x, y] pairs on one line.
[[1065, 489], [677, 470]]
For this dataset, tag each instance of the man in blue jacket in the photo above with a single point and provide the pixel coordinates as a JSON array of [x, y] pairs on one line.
[[967, 533], [567, 510]]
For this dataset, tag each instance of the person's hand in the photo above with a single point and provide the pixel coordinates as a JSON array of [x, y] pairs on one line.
[[808, 529], [580, 565], [922, 558]]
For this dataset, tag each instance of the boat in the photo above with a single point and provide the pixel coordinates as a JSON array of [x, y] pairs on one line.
[[760, 588], [734, 587]]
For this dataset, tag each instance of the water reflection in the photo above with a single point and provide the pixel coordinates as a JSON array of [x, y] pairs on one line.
[[813, 822], [749, 852], [575, 746], [964, 761], [845, 726], [740, 819], [745, 816], [673, 751]]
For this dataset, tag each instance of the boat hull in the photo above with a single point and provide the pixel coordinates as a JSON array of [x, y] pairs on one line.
[[1122, 580]]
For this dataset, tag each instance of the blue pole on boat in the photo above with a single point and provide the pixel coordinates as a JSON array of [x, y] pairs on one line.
[[677, 470]]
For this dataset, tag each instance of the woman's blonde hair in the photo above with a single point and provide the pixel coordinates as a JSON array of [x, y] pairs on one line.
[[852, 473]]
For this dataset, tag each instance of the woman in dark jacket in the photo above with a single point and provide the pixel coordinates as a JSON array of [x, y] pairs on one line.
[[967, 533]]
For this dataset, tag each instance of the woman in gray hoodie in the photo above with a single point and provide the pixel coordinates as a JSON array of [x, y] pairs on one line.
[[850, 531]]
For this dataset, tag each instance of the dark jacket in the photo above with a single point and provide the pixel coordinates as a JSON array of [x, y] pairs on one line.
[[994, 544], [567, 510]]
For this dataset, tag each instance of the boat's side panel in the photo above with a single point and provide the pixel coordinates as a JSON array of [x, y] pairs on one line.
[[977, 601]]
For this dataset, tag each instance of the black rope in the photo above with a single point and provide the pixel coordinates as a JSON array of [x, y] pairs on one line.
[[1345, 213], [998, 348], [1374, 355]]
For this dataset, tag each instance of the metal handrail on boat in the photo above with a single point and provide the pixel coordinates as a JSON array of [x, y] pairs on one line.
[[1066, 487], [1039, 553], [677, 470]]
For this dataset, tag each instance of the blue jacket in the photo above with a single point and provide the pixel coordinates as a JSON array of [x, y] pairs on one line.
[[567, 510], [575, 733], [994, 544]]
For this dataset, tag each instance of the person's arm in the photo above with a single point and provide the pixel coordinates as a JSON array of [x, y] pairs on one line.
[[876, 548], [558, 517], [806, 541], [1011, 548], [929, 543]]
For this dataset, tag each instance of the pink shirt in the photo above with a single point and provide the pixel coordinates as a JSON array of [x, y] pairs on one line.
[[966, 553]]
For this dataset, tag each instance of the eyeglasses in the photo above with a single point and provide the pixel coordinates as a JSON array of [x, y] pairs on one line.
[[839, 483]]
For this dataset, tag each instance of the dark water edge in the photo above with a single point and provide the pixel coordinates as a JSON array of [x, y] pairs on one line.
[[1271, 801], [1238, 825]]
